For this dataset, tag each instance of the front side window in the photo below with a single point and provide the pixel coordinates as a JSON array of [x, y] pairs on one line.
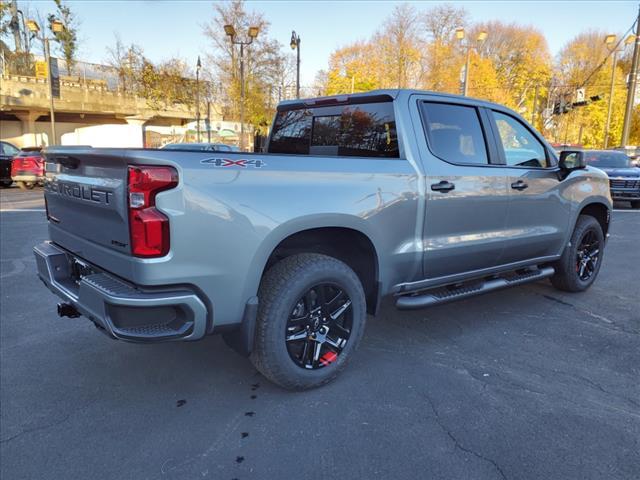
[[454, 133], [361, 130], [521, 147]]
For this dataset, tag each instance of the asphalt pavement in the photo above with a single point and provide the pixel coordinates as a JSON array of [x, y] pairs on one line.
[[527, 383]]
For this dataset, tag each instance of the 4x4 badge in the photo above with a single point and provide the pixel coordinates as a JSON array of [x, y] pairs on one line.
[[227, 162]]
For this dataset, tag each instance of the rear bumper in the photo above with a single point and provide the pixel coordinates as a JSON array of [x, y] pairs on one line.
[[124, 311], [27, 177]]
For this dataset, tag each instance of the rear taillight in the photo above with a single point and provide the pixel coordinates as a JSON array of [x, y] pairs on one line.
[[32, 165], [149, 227]]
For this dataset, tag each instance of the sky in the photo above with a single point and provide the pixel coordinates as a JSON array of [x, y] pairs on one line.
[[174, 27]]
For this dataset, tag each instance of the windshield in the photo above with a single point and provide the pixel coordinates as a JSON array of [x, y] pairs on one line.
[[608, 159]]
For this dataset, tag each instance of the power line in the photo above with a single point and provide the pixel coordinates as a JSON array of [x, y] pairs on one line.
[[622, 38]]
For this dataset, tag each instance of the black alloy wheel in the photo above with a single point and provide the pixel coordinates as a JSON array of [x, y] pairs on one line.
[[587, 255], [319, 326]]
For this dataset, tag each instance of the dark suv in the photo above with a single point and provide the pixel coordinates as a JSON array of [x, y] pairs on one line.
[[7, 152], [624, 178]]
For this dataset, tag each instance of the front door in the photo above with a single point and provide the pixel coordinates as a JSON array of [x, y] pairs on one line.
[[538, 216]]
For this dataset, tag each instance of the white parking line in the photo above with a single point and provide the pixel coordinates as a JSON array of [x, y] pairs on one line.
[[9, 210], [627, 211]]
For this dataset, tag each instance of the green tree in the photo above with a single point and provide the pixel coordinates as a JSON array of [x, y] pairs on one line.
[[356, 67], [127, 61], [266, 67], [67, 39], [521, 59], [586, 62], [398, 46], [443, 58]]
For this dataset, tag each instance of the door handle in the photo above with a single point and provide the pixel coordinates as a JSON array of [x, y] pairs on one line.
[[519, 185], [443, 186]]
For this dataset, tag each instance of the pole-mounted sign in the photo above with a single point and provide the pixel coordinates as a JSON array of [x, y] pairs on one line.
[[55, 77], [41, 69]]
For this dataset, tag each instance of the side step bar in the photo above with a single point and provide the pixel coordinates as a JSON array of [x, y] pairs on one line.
[[439, 295]]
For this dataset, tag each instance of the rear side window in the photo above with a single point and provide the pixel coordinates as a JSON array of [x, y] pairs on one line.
[[454, 133], [362, 130], [291, 132]]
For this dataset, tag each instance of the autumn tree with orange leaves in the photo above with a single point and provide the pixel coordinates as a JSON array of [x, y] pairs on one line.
[[513, 66]]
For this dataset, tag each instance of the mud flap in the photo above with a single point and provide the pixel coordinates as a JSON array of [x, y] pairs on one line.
[[241, 340]]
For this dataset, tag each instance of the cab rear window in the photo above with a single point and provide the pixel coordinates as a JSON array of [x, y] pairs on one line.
[[360, 130]]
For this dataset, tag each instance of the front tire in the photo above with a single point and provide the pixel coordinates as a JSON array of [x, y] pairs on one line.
[[311, 318], [580, 263]]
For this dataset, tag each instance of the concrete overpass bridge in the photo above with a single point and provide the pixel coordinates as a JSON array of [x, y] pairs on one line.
[[24, 109]]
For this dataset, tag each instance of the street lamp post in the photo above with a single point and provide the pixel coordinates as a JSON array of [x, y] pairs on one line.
[[56, 26], [609, 41], [460, 34], [295, 45], [633, 81], [198, 67], [253, 33]]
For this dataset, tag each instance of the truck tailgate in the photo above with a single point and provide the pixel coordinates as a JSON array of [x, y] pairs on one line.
[[86, 197]]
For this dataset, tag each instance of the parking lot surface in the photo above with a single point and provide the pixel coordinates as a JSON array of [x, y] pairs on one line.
[[527, 383]]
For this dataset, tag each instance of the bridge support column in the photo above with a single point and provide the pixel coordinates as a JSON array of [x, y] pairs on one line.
[[30, 138], [140, 121]]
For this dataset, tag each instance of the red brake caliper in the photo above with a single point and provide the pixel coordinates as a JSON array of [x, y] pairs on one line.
[[328, 358]]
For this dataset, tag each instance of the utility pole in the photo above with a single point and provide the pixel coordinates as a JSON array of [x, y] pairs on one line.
[[535, 106], [50, 79], [56, 27], [613, 77], [14, 25], [198, 67], [631, 92], [208, 120], [295, 45], [242, 96]]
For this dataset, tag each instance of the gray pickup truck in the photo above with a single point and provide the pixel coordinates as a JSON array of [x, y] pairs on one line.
[[423, 197]]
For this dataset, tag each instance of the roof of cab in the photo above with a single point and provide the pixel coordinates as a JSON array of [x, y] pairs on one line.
[[392, 93]]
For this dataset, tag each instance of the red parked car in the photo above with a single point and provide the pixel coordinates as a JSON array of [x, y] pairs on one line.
[[27, 168]]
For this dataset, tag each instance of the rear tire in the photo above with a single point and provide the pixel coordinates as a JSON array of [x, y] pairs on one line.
[[635, 204], [6, 183], [26, 185], [294, 320], [580, 263]]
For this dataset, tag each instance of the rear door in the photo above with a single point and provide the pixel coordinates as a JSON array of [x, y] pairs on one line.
[[466, 190], [538, 216]]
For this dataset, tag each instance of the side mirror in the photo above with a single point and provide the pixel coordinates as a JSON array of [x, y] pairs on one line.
[[572, 160]]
